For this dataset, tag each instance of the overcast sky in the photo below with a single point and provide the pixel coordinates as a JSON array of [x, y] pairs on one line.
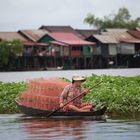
[[31, 14]]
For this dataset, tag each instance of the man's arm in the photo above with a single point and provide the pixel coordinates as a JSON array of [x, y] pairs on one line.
[[64, 95]]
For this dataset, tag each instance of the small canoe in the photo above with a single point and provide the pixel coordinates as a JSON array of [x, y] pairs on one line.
[[30, 111]]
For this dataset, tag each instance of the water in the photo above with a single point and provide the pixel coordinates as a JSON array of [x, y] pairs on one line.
[[18, 127], [23, 76]]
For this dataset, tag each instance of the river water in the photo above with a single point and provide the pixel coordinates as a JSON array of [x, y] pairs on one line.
[[23, 76], [18, 127]]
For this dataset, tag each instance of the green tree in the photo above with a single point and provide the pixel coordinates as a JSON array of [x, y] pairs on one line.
[[9, 50], [122, 19]]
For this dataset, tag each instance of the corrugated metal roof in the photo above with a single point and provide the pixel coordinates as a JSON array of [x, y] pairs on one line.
[[57, 28], [58, 43], [87, 33], [116, 30], [33, 35], [69, 38], [60, 29], [120, 36], [10, 36], [135, 33], [35, 44], [106, 39], [131, 41]]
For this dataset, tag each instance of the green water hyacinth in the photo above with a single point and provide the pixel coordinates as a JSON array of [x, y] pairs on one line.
[[120, 94], [8, 93]]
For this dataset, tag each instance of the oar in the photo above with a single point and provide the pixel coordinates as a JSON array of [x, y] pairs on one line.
[[51, 113]]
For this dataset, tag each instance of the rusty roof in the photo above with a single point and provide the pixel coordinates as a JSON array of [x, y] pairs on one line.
[[10, 36], [116, 36], [120, 35], [69, 38], [135, 33], [58, 43], [60, 29], [33, 35], [57, 28], [87, 33]]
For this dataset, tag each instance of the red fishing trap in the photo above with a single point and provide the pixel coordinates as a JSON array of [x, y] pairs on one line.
[[43, 93]]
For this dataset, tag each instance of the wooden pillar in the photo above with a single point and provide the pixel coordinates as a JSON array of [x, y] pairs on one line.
[[116, 63], [62, 60], [70, 55], [54, 64], [91, 61], [85, 62], [77, 63], [70, 50], [100, 61]]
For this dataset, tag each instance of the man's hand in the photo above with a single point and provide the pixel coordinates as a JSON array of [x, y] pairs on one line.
[[61, 104], [85, 91]]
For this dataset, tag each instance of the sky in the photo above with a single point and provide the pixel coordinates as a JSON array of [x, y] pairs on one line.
[[31, 14]]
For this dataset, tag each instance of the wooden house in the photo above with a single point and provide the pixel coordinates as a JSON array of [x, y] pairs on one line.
[[106, 45], [34, 51], [85, 34], [37, 49], [86, 49], [136, 57], [66, 44], [136, 34], [60, 41], [126, 41], [115, 44]]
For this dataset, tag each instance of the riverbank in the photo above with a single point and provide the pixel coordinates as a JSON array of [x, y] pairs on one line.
[[120, 94]]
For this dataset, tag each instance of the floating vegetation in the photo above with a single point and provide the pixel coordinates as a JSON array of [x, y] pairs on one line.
[[8, 93], [120, 94]]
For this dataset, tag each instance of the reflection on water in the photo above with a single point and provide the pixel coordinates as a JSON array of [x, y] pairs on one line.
[[16, 127], [52, 129]]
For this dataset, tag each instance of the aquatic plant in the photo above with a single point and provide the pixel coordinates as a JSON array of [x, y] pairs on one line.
[[120, 94], [8, 94]]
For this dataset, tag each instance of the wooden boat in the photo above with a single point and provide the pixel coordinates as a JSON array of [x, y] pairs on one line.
[[30, 111]]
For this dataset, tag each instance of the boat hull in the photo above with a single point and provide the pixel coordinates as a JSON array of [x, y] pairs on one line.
[[43, 113]]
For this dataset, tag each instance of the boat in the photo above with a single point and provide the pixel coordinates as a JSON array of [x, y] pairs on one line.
[[41, 98], [31, 111]]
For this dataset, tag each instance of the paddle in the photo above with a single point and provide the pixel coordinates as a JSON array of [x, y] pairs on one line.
[[51, 113]]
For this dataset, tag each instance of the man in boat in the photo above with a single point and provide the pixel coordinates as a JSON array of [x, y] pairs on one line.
[[70, 92]]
